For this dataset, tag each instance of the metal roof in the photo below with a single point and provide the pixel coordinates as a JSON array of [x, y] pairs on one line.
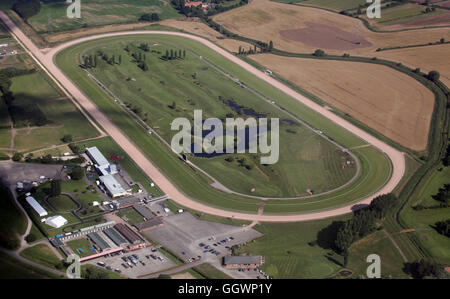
[[242, 260], [143, 211], [112, 185], [96, 156], [99, 241], [115, 236], [149, 224], [128, 233], [36, 206]]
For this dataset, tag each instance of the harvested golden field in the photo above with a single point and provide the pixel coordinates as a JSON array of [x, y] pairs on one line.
[[385, 100], [73, 34], [199, 28], [303, 29], [428, 58]]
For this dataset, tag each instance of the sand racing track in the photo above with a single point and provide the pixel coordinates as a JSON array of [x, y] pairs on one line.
[[46, 60]]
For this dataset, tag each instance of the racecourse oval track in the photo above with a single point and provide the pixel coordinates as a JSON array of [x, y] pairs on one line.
[[46, 60]]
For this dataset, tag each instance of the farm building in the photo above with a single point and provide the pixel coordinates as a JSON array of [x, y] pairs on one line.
[[36, 206], [242, 261], [128, 202], [132, 237], [143, 211], [115, 237], [56, 221], [149, 224], [99, 241], [87, 230]]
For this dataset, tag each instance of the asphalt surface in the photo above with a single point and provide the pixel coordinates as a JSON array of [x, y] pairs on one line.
[[46, 60]]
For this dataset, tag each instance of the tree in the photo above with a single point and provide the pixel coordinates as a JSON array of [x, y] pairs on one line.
[[270, 46], [77, 173], [27, 8], [150, 17], [17, 157], [319, 53], [443, 227], [66, 138], [47, 159], [433, 76], [30, 238], [55, 188]]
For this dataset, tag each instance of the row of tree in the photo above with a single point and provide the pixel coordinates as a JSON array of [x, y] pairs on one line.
[[363, 222], [153, 17], [263, 48], [174, 54], [27, 8], [443, 227]]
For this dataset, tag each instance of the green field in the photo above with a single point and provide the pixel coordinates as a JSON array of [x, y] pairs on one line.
[[62, 203], [404, 13], [53, 16], [288, 251], [84, 244], [13, 220], [210, 272], [11, 268], [43, 255], [307, 161], [130, 216], [435, 244], [37, 102], [186, 179]]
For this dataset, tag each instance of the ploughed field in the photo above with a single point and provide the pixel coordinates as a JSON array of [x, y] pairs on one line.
[[172, 88]]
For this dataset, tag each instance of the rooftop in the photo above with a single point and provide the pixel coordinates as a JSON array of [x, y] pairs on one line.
[[99, 241], [242, 260], [96, 156], [112, 185], [143, 211]]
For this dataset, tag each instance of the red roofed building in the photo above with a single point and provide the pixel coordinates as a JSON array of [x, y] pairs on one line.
[[193, 3]]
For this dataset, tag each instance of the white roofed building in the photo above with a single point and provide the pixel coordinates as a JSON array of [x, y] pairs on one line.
[[36, 206], [97, 157], [56, 221], [113, 187]]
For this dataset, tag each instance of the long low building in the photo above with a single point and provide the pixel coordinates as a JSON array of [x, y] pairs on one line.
[[149, 224], [115, 236], [143, 211], [128, 233], [99, 241], [242, 261], [36, 206]]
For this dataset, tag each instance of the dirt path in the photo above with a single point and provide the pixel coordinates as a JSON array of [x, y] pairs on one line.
[[396, 246], [46, 61]]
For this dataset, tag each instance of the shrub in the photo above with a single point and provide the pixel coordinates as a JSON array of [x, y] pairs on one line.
[[319, 53], [433, 76]]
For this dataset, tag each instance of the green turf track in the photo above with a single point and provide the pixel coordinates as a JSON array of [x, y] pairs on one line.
[[196, 185]]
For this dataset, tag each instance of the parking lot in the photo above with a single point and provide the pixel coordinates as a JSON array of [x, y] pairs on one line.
[[191, 238], [135, 263], [12, 172]]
